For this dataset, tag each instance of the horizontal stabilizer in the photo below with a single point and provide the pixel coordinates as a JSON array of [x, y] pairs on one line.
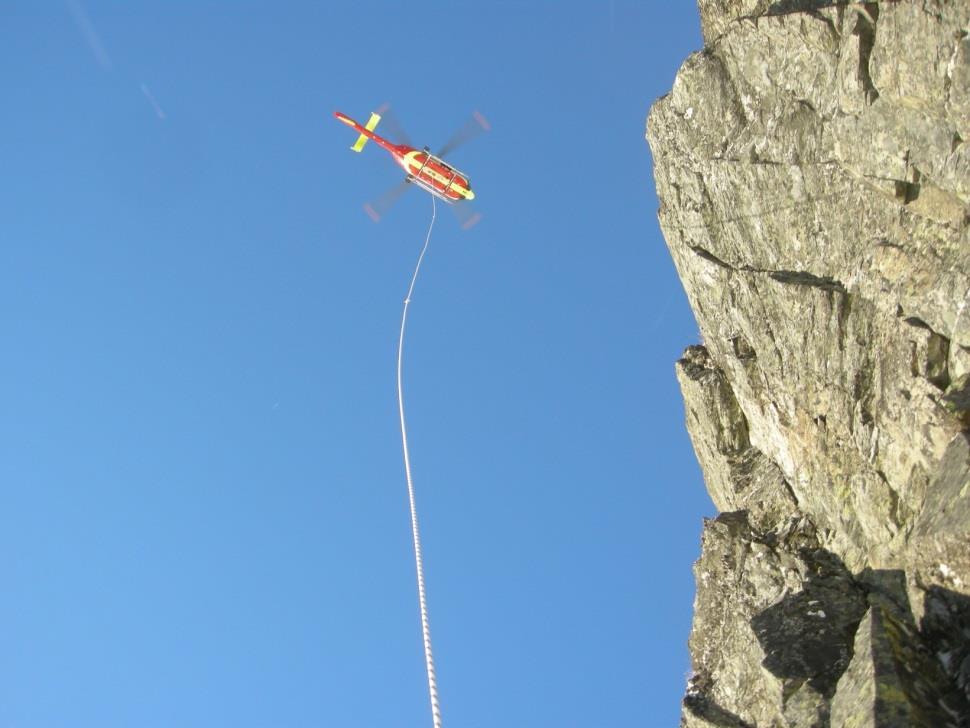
[[370, 126]]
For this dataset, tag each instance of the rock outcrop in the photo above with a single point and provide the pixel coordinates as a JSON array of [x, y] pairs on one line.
[[813, 168]]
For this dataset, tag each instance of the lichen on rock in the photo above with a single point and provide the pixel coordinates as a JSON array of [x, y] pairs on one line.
[[813, 168]]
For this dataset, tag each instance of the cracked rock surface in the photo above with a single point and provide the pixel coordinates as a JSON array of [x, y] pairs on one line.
[[813, 167]]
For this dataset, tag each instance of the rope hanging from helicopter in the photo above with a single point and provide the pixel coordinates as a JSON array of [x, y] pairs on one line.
[[415, 531], [431, 173]]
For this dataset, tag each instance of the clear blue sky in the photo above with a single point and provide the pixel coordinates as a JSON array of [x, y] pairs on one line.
[[204, 515]]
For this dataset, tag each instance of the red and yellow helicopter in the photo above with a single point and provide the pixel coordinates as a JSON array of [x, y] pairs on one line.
[[428, 171]]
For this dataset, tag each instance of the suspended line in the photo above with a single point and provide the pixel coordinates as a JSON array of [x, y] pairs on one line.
[[422, 600]]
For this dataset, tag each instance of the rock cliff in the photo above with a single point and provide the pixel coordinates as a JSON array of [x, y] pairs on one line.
[[813, 168]]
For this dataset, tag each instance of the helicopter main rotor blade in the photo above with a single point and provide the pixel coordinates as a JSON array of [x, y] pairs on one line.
[[392, 125], [475, 125], [378, 208], [467, 216]]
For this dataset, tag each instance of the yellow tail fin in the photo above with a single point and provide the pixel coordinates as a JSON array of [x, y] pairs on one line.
[[370, 126]]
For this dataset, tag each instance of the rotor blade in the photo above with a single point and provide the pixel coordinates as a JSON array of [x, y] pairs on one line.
[[475, 125], [467, 216], [392, 126], [377, 209]]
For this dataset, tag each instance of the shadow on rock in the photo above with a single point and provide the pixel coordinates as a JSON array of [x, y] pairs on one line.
[[946, 630], [701, 706], [809, 636], [855, 642], [785, 7]]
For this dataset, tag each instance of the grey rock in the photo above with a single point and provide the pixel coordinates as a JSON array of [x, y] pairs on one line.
[[813, 168], [739, 475]]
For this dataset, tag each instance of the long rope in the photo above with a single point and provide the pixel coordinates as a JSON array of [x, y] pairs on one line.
[[422, 600]]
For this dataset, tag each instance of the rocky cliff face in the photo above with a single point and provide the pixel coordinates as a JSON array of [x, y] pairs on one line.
[[813, 166]]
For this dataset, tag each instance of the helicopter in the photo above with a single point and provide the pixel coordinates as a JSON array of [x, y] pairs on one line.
[[422, 168]]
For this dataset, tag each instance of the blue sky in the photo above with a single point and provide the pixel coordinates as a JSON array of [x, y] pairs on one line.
[[204, 514]]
